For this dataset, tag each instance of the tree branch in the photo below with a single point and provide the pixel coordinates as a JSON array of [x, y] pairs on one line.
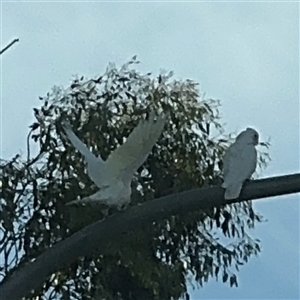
[[95, 236], [8, 46]]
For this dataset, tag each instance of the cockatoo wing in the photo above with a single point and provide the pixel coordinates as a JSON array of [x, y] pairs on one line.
[[239, 164], [95, 165], [127, 158]]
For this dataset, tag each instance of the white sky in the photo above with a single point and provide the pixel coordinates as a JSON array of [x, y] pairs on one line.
[[245, 54]]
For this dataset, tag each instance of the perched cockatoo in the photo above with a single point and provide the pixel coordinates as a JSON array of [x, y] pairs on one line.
[[113, 177], [239, 162]]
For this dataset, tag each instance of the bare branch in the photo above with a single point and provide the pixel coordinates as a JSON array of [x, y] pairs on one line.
[[8, 46], [92, 238]]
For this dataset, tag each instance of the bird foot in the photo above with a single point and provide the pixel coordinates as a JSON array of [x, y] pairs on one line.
[[105, 211]]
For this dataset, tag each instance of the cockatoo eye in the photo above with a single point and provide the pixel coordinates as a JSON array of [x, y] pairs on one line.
[[255, 138]]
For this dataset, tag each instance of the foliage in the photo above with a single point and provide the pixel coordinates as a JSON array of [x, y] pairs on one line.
[[142, 265]]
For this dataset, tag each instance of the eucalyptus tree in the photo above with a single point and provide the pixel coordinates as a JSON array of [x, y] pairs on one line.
[[155, 262]]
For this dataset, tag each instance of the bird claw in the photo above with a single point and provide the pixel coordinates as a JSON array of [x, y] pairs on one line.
[[105, 211], [248, 180]]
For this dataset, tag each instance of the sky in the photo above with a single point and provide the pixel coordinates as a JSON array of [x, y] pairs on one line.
[[244, 53]]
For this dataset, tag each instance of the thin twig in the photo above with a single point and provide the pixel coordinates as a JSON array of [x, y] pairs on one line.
[[8, 46]]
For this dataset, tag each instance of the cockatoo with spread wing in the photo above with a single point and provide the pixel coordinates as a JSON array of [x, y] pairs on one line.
[[113, 177], [239, 162]]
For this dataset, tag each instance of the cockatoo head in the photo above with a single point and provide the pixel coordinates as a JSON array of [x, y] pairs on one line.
[[248, 136]]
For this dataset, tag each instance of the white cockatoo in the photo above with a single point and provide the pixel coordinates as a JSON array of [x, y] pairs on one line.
[[113, 177], [239, 162]]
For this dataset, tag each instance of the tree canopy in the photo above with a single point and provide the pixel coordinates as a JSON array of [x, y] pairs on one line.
[[152, 263]]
